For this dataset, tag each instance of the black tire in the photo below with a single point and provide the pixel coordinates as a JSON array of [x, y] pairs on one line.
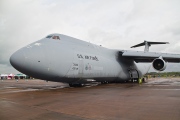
[[75, 85]]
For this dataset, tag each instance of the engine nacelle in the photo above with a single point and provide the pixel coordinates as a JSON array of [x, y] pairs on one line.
[[159, 64]]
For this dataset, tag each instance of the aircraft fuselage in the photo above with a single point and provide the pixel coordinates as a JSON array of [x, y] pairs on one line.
[[70, 60]]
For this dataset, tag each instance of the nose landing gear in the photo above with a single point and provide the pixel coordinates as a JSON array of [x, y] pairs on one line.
[[75, 84]]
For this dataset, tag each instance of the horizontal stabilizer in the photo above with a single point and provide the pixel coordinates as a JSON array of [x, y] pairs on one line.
[[147, 44]]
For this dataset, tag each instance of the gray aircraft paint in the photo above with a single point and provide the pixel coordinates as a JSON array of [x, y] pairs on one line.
[[71, 60]]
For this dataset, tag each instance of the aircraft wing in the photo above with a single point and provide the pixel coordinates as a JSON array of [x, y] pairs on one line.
[[141, 56]]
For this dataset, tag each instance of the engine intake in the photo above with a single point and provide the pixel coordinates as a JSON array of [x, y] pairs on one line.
[[159, 64]]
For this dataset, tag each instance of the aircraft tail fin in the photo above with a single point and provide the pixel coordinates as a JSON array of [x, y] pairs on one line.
[[147, 44]]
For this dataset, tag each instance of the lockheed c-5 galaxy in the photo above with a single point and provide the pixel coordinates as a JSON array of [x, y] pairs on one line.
[[61, 58]]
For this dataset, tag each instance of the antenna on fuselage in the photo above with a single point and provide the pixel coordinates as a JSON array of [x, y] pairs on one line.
[[147, 44]]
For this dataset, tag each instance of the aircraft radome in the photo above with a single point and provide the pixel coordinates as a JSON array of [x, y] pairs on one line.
[[66, 59]]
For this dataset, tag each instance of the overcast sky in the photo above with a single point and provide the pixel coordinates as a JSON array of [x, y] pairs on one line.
[[116, 24]]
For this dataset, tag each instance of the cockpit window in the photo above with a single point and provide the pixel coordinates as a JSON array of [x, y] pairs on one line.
[[56, 37], [53, 37], [48, 36]]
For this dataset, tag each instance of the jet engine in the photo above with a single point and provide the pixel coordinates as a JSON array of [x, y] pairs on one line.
[[159, 64]]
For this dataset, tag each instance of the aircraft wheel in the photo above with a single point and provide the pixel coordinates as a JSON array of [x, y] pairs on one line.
[[104, 82], [75, 85]]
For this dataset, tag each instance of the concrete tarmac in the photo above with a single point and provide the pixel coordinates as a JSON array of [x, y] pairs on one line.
[[158, 99]]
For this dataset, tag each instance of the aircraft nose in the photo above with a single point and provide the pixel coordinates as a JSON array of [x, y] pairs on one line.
[[17, 60], [31, 61]]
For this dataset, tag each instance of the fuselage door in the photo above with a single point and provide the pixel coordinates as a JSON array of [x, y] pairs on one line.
[[81, 67]]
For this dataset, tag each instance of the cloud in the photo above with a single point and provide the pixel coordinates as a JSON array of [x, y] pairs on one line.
[[114, 24]]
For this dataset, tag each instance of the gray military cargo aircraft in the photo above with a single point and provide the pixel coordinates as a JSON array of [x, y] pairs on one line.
[[61, 58]]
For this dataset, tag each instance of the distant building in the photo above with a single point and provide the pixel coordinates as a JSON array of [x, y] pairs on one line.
[[3, 76], [20, 76], [10, 76], [13, 76]]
